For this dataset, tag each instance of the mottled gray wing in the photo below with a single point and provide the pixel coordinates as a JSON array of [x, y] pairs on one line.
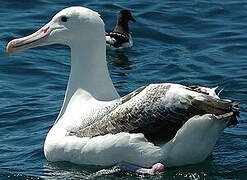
[[149, 110]]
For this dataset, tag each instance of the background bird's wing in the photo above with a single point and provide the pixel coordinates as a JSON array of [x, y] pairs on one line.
[[116, 39]]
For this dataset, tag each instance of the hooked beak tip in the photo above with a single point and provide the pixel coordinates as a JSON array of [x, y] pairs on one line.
[[33, 40], [133, 20], [9, 48]]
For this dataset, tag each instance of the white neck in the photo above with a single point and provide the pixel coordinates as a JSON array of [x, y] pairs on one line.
[[89, 71]]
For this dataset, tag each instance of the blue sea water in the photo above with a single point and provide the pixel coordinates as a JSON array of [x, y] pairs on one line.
[[196, 42]]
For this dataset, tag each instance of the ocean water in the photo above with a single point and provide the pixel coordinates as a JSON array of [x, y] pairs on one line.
[[196, 42]]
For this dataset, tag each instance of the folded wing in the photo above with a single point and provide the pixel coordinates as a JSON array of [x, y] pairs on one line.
[[158, 111]]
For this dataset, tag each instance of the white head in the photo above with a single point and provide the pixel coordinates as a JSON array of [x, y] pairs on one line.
[[83, 31], [64, 28]]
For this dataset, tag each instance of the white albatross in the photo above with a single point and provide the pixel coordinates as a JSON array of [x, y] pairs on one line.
[[157, 124]]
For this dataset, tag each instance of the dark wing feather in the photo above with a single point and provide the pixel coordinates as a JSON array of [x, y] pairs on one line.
[[119, 37], [149, 111]]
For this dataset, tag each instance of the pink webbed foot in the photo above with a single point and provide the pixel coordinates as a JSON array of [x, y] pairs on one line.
[[125, 167], [156, 169]]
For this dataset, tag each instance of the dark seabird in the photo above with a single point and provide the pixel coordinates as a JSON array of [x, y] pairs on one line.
[[155, 126], [120, 37]]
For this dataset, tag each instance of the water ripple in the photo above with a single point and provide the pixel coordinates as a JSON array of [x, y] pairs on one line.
[[190, 42]]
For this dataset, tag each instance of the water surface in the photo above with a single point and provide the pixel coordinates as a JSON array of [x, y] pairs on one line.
[[189, 42]]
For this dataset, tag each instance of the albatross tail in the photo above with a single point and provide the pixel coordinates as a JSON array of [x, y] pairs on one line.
[[195, 141]]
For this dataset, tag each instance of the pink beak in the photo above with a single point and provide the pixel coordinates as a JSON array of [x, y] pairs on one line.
[[36, 39]]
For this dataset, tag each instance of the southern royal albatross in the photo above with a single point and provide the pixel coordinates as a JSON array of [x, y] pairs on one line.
[[159, 123]]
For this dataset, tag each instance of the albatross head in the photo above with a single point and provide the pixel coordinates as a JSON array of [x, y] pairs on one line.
[[83, 31], [64, 28]]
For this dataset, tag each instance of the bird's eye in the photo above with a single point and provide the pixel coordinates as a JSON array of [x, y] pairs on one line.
[[64, 19]]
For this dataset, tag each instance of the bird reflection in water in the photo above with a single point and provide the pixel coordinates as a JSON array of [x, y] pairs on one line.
[[119, 66], [118, 60]]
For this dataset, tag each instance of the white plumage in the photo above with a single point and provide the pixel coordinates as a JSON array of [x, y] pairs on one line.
[[125, 129]]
